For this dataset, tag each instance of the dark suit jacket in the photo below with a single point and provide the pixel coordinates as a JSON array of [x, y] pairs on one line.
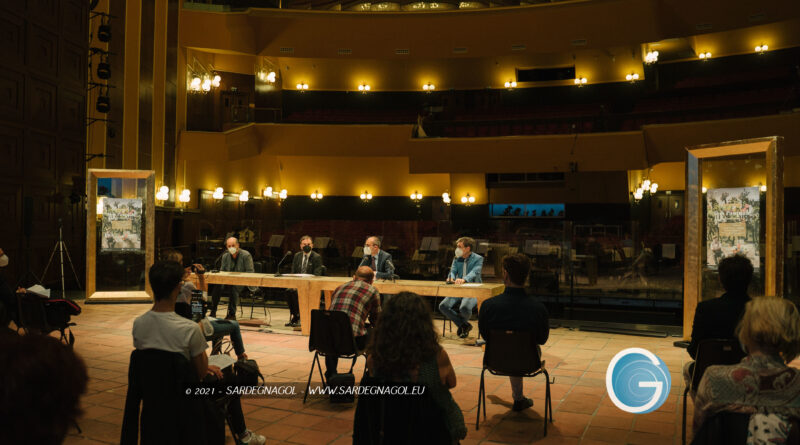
[[314, 263], [385, 268], [514, 310], [717, 318]]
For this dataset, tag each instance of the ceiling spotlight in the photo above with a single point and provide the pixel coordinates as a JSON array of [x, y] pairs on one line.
[[316, 196], [366, 196], [632, 77], [704, 56], [510, 84], [218, 193], [580, 81], [363, 87], [761, 49], [651, 57], [302, 86], [428, 87]]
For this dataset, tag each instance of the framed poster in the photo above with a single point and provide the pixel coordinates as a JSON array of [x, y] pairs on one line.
[[733, 224], [122, 224]]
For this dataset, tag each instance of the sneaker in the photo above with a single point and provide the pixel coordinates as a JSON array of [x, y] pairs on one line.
[[251, 438], [520, 405], [465, 330]]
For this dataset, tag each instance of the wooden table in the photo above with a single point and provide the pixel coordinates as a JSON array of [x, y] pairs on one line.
[[309, 288]]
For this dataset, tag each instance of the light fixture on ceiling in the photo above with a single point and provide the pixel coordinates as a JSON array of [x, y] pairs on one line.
[[218, 193], [366, 196], [704, 56], [302, 86], [467, 199], [580, 81], [163, 193], [316, 196], [428, 87], [364, 87], [632, 77], [511, 84], [761, 49], [244, 196], [651, 57]]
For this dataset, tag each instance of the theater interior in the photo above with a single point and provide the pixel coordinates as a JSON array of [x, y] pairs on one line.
[[559, 130]]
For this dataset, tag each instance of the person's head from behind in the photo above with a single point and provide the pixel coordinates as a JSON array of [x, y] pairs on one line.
[[735, 273], [165, 279], [42, 381], [404, 336], [364, 273], [771, 326], [515, 269]]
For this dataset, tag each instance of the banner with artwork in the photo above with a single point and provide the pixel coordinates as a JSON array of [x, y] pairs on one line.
[[733, 224], [122, 224]]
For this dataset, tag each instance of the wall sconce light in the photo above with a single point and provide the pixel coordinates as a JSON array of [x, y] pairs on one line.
[[195, 85], [761, 49], [762, 187], [645, 187], [510, 84], [467, 199], [99, 206], [185, 196], [653, 187], [272, 76], [364, 87], [446, 198], [580, 81], [244, 196], [283, 194], [316, 196], [366, 196], [428, 87], [416, 197], [267, 192], [632, 77], [704, 56], [704, 190], [302, 86], [218, 193], [651, 57], [163, 193], [215, 81]]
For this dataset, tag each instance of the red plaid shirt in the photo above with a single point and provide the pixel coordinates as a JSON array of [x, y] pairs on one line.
[[358, 299]]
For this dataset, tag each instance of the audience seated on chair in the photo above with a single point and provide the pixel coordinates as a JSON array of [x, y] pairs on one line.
[[762, 384], [162, 329], [210, 325], [359, 300], [718, 317], [42, 382], [515, 310], [405, 347]]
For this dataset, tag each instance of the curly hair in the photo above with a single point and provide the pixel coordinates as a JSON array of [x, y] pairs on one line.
[[404, 336]]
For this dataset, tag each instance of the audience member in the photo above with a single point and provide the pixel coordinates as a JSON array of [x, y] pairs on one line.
[[359, 300], [234, 260], [467, 267], [717, 318], [761, 384], [515, 310], [42, 382], [161, 328], [184, 309], [380, 261], [404, 346], [306, 262]]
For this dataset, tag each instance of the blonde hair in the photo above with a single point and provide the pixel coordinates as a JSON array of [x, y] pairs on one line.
[[772, 323]]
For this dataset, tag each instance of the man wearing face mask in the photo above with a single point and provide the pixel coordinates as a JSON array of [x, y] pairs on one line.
[[466, 268], [376, 259], [307, 262], [234, 260]]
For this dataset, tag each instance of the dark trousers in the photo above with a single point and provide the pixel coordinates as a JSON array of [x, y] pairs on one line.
[[291, 301], [234, 413], [331, 362], [233, 298]]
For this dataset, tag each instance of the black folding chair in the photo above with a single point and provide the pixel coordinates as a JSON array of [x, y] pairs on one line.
[[331, 335], [32, 315], [714, 351], [513, 354], [731, 428]]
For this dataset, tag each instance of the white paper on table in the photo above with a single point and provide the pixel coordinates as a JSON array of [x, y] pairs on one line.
[[221, 361], [471, 285], [302, 275]]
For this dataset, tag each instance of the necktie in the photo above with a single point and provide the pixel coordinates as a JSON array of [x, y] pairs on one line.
[[305, 264], [374, 267]]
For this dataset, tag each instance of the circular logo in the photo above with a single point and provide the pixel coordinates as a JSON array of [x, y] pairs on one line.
[[637, 381]]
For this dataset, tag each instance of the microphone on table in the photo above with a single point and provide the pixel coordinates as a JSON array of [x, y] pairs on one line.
[[393, 275], [278, 272]]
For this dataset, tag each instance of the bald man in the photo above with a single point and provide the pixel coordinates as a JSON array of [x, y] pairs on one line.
[[234, 260], [359, 300]]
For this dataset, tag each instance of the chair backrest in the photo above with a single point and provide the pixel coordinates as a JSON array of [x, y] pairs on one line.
[[512, 353], [331, 333], [715, 351], [397, 419], [32, 314]]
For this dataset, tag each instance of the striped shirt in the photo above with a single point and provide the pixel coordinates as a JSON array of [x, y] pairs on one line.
[[358, 299]]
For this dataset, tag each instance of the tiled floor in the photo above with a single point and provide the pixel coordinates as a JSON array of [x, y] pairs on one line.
[[577, 360]]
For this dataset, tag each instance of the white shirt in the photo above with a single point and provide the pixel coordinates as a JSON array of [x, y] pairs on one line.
[[168, 331]]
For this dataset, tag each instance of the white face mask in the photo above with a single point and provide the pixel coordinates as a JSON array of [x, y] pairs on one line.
[[3, 260], [232, 250], [459, 252], [367, 251]]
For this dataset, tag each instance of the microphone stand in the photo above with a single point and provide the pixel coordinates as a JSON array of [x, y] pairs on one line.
[[278, 271]]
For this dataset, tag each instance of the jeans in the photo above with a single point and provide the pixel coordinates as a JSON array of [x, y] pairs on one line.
[[466, 305], [230, 327]]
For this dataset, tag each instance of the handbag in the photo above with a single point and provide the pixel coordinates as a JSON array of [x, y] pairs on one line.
[[246, 373]]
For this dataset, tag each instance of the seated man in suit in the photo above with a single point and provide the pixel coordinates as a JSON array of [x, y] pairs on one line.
[[718, 317], [466, 268], [376, 259], [515, 310], [234, 260], [305, 261], [161, 328]]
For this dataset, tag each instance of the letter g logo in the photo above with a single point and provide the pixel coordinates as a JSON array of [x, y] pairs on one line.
[[637, 381]]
